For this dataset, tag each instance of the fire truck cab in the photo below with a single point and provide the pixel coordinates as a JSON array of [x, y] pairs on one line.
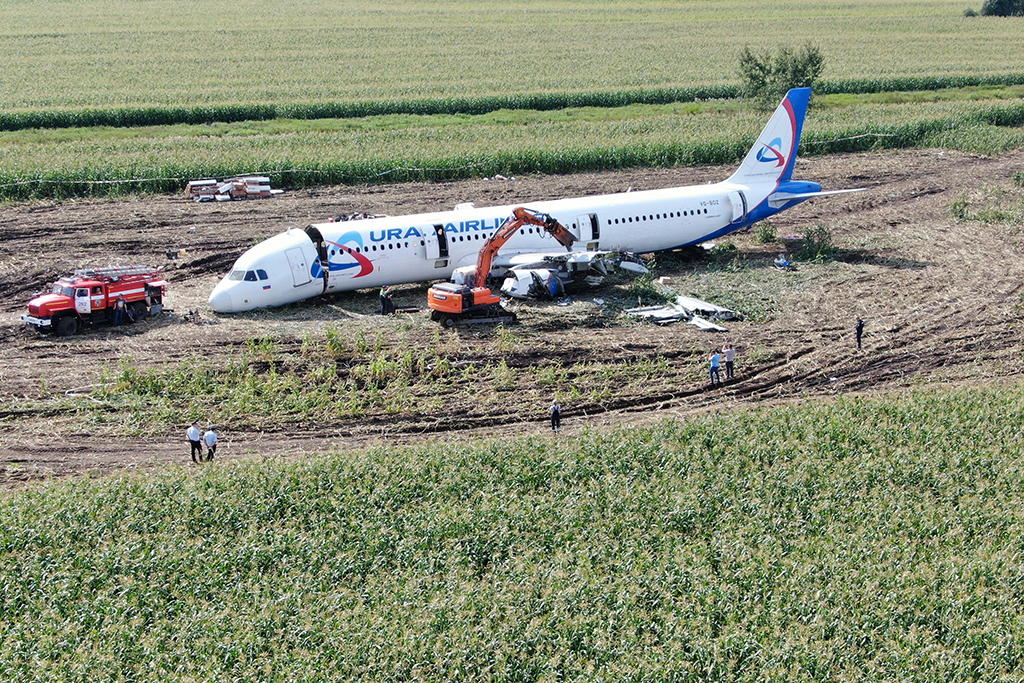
[[91, 296]]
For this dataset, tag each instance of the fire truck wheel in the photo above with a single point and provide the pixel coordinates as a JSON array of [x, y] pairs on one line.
[[67, 326], [139, 310]]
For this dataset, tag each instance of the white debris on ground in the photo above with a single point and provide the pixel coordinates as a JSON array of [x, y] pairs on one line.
[[694, 311], [244, 187]]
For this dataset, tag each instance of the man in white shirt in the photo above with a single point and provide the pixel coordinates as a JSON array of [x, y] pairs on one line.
[[730, 355], [195, 439], [210, 439]]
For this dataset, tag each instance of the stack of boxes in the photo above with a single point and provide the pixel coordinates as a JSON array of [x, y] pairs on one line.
[[246, 187]]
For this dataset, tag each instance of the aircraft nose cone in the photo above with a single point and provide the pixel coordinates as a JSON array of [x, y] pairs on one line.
[[220, 301]]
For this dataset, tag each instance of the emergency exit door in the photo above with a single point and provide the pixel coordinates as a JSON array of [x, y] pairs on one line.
[[300, 268]]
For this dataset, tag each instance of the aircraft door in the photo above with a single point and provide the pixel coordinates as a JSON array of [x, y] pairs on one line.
[[321, 253], [300, 269], [739, 207], [436, 241], [589, 229], [82, 303]]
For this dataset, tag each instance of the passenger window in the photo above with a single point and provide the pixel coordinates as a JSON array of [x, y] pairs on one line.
[[262, 274]]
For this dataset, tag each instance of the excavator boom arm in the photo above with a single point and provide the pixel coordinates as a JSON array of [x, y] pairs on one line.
[[518, 219]]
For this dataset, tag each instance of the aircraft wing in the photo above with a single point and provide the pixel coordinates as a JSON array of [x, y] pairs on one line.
[[551, 259], [543, 274], [575, 261]]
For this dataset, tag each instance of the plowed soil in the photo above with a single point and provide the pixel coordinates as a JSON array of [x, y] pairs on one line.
[[941, 297]]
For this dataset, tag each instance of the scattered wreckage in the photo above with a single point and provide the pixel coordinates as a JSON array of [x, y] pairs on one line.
[[694, 311]]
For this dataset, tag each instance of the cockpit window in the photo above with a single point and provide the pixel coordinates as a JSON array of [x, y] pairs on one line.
[[237, 275], [262, 274], [250, 276]]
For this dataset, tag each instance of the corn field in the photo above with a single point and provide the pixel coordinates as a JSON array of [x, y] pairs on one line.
[[103, 161], [861, 539], [98, 54]]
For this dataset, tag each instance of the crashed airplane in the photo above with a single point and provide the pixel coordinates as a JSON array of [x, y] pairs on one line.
[[340, 256]]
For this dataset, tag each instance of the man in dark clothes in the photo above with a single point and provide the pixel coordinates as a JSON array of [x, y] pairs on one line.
[[860, 331], [387, 306], [556, 417]]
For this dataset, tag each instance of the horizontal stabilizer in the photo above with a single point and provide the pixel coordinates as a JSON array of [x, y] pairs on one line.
[[780, 199]]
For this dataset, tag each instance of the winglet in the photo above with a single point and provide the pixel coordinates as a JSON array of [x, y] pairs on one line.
[[771, 158]]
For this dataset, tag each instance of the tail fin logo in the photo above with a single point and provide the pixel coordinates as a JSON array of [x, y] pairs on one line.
[[772, 153]]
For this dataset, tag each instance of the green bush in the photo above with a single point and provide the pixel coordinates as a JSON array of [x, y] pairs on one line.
[[768, 77], [766, 233], [817, 245]]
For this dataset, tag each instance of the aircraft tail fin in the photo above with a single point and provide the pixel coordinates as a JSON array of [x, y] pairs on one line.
[[771, 158]]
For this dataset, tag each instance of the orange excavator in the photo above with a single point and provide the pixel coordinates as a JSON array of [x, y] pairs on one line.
[[475, 302]]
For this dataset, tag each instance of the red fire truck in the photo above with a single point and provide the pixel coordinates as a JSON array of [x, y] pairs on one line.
[[90, 296]]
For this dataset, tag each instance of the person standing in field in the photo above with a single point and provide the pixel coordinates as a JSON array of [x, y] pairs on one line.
[[716, 360], [119, 310], [195, 439], [556, 416], [730, 356], [387, 304], [859, 330], [210, 439]]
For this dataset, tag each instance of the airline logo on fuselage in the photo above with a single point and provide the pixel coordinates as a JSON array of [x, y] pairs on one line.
[[358, 259], [406, 233], [346, 256], [772, 153]]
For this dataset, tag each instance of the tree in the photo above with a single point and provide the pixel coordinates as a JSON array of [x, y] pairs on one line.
[[767, 78], [1003, 8]]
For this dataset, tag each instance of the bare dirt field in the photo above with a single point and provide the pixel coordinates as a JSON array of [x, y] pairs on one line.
[[941, 297]]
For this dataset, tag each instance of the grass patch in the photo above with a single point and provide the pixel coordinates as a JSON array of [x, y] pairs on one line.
[[991, 204]]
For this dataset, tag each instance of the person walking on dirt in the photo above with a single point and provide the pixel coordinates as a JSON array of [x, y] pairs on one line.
[[730, 356], [210, 439], [859, 329], [195, 439], [716, 360], [556, 417]]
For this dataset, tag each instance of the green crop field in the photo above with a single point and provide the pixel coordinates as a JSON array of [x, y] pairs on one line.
[[103, 53], [88, 68], [858, 540], [104, 160]]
